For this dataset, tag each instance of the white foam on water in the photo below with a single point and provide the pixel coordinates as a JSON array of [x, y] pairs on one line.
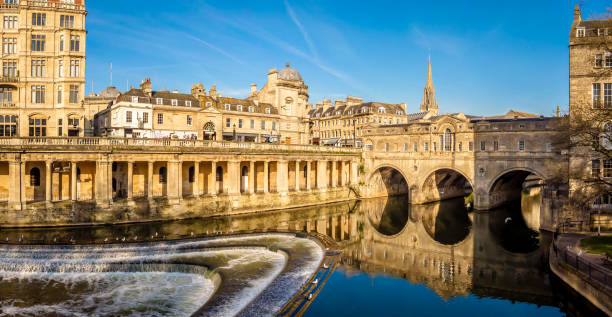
[[136, 294]]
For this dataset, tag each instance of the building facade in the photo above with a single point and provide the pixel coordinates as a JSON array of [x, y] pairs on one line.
[[43, 68]]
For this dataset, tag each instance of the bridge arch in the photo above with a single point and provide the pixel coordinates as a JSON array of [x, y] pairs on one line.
[[507, 185], [442, 183], [387, 180]]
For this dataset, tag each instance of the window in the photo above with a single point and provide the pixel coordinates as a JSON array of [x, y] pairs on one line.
[[145, 117], [386, 147], [39, 19], [598, 60], [435, 147], [6, 95], [38, 127], [251, 109], [608, 59], [415, 147], [483, 146], [607, 168], [495, 146], [174, 102], [240, 123], [273, 125], [405, 147], [160, 118], [228, 107], [159, 101], [163, 175], [381, 110], [73, 122], [189, 120], [9, 68], [580, 32], [470, 146], [448, 140], [548, 147], [460, 147], [595, 168], [10, 22], [38, 43], [60, 95], [35, 177], [252, 124], [74, 94], [426, 147], [228, 122], [75, 42], [60, 127], [192, 174], [75, 68], [9, 45], [8, 126], [67, 21], [522, 146], [239, 108], [188, 103], [39, 67], [128, 116], [267, 110], [61, 69], [263, 124], [38, 94], [608, 95], [596, 95], [61, 43], [219, 174]]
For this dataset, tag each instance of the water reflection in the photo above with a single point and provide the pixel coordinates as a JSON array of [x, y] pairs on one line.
[[452, 252]]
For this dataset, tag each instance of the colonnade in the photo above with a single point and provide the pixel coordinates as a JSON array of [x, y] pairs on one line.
[[110, 179]]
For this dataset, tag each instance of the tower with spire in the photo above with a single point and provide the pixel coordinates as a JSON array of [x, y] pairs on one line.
[[429, 103]]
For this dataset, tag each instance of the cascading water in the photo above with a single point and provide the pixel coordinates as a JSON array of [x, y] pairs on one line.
[[219, 276]]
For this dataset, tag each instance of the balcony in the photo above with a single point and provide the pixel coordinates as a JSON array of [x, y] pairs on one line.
[[8, 105], [9, 79]]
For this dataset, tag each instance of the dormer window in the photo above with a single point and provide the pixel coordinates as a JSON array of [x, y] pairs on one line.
[[228, 107], [174, 102], [159, 101], [239, 108], [251, 109], [267, 110], [188, 103], [399, 112], [208, 104], [381, 110], [337, 113], [580, 32], [364, 110], [135, 99]]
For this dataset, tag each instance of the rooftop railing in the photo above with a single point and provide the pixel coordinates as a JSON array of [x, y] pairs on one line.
[[43, 4], [24, 142]]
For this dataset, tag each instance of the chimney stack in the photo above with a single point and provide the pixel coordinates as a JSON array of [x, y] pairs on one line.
[[146, 86], [577, 15], [253, 90], [213, 91]]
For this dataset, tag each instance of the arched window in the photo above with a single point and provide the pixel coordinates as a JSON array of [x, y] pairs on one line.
[[163, 175], [448, 140], [35, 177], [219, 176], [191, 174]]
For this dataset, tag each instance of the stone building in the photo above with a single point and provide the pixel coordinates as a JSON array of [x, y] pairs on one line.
[[43, 68], [95, 103], [590, 87]]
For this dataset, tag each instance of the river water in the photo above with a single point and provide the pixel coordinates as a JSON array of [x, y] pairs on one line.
[[396, 259]]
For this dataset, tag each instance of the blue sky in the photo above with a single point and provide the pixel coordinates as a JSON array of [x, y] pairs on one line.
[[487, 56]]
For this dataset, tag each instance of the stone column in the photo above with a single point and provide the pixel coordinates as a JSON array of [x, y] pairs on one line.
[[48, 179], [130, 180], [297, 176], [196, 179], [109, 183], [354, 173], [334, 174], [308, 179], [103, 178], [322, 175], [172, 182], [150, 180], [179, 176], [16, 178], [252, 173], [266, 177], [282, 177], [233, 178], [73, 181], [212, 179]]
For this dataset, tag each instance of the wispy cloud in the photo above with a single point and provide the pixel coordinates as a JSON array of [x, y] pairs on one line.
[[224, 53], [299, 25], [445, 43]]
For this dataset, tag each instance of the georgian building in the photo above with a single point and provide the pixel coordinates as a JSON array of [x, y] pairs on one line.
[[43, 68]]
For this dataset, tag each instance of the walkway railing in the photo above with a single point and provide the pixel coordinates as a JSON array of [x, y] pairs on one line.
[[137, 142], [594, 271]]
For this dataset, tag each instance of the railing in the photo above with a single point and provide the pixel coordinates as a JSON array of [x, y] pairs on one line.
[[8, 105], [44, 4], [9, 79], [592, 270], [138, 142]]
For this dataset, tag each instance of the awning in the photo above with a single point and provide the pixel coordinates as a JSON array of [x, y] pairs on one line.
[[332, 141]]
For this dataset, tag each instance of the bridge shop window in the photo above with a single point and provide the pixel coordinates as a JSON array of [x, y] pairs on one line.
[[8, 126], [35, 177], [38, 127], [522, 146]]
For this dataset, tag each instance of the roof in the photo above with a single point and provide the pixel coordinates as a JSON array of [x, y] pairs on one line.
[[156, 97], [362, 108], [110, 92], [417, 115], [289, 73], [247, 105]]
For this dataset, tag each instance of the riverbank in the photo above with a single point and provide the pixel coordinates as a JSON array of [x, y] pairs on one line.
[[582, 271]]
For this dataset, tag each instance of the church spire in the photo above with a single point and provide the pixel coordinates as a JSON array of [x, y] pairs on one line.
[[429, 103]]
